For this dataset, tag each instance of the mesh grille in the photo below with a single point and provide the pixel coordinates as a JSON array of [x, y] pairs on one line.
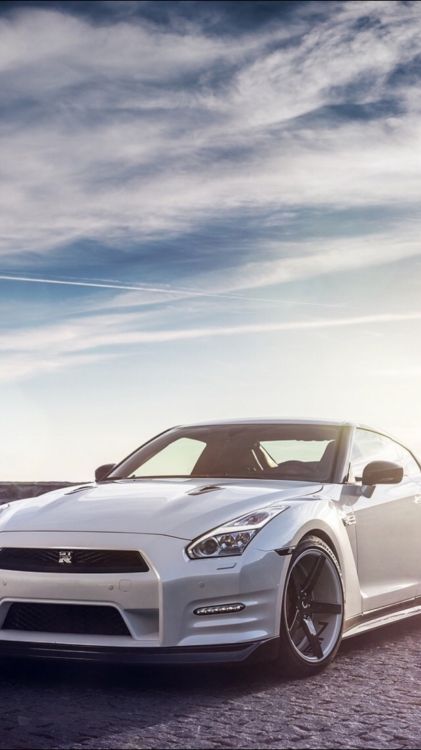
[[65, 618], [72, 560]]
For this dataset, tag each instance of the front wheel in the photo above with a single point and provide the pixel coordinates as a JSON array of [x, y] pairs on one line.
[[312, 609]]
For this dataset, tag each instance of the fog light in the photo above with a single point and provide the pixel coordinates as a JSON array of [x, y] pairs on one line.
[[220, 609]]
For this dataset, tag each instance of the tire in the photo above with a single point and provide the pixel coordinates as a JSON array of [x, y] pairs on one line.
[[312, 610]]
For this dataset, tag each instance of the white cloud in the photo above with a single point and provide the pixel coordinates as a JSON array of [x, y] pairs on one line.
[[118, 145], [126, 131], [77, 46], [80, 341], [294, 261], [20, 366], [122, 132]]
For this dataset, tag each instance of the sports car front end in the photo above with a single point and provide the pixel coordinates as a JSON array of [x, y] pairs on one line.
[[198, 547], [107, 585]]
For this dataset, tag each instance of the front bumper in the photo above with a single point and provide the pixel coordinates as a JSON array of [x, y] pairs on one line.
[[157, 607], [254, 652]]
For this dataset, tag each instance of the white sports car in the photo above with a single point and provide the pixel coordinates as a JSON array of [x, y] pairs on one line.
[[218, 543]]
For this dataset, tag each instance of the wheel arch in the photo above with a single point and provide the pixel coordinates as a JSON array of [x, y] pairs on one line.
[[324, 536], [323, 519], [333, 533]]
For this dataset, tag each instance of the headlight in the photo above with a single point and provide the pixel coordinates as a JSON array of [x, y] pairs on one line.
[[233, 537]]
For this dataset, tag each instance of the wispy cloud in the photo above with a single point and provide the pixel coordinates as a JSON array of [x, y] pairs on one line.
[[125, 131], [292, 261], [85, 340], [189, 179]]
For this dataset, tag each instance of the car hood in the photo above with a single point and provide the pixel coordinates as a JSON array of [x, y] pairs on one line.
[[180, 508]]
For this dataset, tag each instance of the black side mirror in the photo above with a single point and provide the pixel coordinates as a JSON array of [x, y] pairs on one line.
[[102, 471], [382, 472]]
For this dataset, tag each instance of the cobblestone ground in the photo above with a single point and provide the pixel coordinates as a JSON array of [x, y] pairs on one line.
[[369, 698]]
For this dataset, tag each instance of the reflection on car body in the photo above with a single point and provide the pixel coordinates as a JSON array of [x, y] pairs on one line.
[[218, 543]]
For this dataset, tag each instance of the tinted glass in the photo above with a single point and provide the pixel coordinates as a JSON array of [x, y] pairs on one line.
[[179, 457], [267, 451], [408, 462], [371, 446]]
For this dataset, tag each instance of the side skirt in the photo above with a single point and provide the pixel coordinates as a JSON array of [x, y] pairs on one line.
[[376, 618]]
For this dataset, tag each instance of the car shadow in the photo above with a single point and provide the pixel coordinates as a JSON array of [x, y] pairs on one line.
[[51, 704], [379, 636], [194, 677]]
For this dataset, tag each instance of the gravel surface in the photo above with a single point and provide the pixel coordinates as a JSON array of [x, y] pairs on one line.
[[370, 697]]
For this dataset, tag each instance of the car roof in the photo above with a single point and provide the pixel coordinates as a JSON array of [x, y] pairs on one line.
[[271, 420]]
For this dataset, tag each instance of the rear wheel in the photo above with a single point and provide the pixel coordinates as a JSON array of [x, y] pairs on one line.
[[312, 609]]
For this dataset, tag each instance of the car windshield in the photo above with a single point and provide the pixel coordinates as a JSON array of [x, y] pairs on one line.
[[296, 452]]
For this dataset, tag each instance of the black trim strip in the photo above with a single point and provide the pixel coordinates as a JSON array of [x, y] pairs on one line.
[[224, 654], [285, 551]]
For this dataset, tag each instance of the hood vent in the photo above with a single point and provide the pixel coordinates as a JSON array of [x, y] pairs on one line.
[[79, 489], [204, 489]]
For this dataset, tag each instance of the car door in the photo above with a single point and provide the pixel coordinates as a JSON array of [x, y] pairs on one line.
[[388, 524]]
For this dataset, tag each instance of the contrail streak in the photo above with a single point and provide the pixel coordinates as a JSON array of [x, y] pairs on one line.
[[154, 290], [102, 285]]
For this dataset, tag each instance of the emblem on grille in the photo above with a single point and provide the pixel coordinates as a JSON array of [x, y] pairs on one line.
[[65, 557]]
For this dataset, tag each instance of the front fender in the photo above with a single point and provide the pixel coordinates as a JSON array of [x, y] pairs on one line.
[[319, 515]]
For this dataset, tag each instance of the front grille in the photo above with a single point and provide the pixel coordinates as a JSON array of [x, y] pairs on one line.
[[67, 560], [65, 618]]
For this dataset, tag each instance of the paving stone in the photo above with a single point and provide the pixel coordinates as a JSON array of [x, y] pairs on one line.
[[370, 697]]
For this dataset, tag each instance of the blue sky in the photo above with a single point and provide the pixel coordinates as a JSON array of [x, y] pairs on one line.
[[208, 210]]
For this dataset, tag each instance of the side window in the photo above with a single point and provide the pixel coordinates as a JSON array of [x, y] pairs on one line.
[[408, 462], [371, 446]]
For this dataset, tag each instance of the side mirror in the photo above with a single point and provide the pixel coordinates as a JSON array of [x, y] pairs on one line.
[[382, 472], [102, 471]]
